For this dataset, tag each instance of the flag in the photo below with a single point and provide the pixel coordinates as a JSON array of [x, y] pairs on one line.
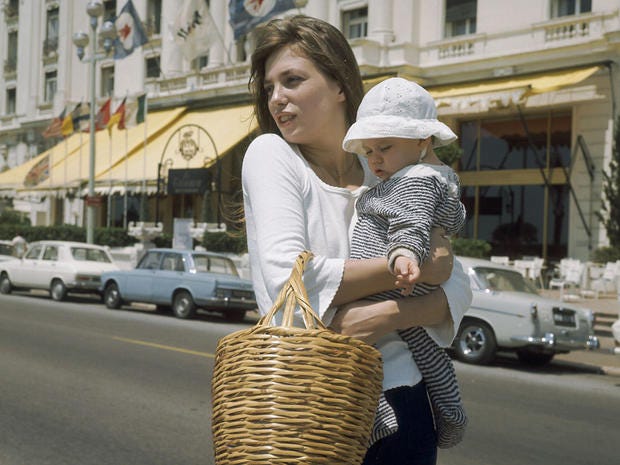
[[129, 30], [117, 116], [102, 117], [245, 15], [69, 122], [194, 30], [81, 115], [134, 114], [55, 127], [38, 173]]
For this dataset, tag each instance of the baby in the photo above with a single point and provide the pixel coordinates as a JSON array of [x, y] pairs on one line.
[[396, 129]]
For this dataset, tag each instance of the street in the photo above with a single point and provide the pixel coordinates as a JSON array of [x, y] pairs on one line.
[[84, 385]]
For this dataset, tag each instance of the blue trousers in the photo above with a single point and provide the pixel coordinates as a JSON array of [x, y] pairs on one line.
[[415, 442]]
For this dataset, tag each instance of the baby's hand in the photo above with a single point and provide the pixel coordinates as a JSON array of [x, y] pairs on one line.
[[407, 273]]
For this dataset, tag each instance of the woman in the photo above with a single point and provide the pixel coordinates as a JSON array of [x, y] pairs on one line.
[[300, 188]]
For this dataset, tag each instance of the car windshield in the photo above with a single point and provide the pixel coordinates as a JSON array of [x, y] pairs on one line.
[[210, 264], [496, 279], [89, 255], [6, 249]]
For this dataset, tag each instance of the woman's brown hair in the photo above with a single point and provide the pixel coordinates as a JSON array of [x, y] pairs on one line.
[[322, 44]]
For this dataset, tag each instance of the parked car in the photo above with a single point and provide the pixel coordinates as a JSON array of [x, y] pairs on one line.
[[508, 314], [60, 266], [183, 280]]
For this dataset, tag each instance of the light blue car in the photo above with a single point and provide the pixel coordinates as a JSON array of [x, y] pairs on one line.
[[183, 280]]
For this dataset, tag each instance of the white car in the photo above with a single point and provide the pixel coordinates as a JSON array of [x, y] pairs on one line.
[[58, 266], [508, 314]]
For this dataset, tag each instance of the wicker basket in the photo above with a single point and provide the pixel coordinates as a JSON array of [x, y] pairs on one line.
[[290, 395]]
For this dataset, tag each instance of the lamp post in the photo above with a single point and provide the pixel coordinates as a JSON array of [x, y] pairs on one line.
[[81, 40]]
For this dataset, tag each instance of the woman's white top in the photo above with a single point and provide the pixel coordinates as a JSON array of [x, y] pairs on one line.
[[288, 209]]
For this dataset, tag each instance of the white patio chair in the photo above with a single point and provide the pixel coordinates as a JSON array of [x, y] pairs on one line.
[[535, 271], [606, 283], [500, 259], [571, 274]]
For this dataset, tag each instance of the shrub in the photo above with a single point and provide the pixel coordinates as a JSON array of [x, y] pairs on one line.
[[606, 254], [113, 237], [232, 242], [476, 248]]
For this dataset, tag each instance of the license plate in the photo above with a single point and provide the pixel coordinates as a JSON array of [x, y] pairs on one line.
[[562, 317]]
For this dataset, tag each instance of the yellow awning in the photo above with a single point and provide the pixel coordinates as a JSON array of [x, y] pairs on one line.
[[500, 92], [535, 83], [70, 162], [215, 131]]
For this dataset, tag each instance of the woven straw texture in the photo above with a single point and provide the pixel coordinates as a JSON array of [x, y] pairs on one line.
[[289, 395]]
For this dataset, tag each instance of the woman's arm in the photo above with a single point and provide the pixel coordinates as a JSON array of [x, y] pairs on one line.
[[362, 278], [370, 320], [440, 312]]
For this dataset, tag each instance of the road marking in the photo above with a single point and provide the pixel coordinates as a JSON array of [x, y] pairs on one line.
[[164, 347]]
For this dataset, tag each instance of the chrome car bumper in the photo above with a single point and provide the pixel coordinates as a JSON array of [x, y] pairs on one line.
[[552, 342]]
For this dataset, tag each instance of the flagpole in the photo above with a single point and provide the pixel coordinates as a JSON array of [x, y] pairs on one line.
[[219, 36], [126, 176], [143, 197], [109, 216]]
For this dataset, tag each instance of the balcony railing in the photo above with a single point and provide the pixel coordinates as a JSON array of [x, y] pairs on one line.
[[50, 45], [574, 28], [10, 65], [151, 27]]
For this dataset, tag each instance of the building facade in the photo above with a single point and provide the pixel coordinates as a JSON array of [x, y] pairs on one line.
[[531, 87]]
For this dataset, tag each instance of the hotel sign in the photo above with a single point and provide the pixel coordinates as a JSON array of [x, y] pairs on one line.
[[188, 181]]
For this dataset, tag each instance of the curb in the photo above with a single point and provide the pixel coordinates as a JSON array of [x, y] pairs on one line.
[[611, 371]]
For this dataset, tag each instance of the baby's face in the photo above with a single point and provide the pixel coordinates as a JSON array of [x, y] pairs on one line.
[[389, 154]]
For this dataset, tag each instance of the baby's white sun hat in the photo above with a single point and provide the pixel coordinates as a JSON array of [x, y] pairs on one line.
[[397, 107]]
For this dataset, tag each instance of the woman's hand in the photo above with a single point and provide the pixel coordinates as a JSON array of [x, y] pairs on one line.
[[438, 267]]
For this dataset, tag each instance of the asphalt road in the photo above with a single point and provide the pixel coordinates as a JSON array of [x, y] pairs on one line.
[[81, 385]]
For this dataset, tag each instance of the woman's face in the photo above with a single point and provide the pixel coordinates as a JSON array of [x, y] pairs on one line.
[[387, 155], [305, 104]]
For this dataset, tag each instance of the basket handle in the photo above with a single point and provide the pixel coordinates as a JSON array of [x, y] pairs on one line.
[[294, 294]]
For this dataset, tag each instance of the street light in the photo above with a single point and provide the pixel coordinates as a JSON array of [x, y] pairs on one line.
[[81, 40]]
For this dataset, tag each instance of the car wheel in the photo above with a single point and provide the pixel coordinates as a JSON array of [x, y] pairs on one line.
[[534, 358], [475, 343], [112, 296], [234, 315], [183, 305], [58, 290], [5, 284]]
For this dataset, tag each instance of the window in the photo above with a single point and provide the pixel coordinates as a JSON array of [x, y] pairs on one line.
[[152, 67], [34, 252], [109, 10], [355, 23], [50, 86], [153, 17], [460, 17], [11, 8], [201, 61], [51, 35], [10, 65], [570, 7], [11, 101], [51, 253], [523, 215], [150, 261], [107, 81]]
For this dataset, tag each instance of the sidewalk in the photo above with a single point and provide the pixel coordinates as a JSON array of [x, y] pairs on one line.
[[604, 359]]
